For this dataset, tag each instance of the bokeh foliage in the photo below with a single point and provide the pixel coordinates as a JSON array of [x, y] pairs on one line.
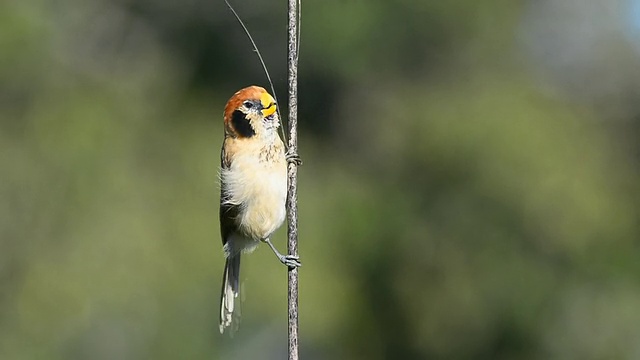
[[455, 201]]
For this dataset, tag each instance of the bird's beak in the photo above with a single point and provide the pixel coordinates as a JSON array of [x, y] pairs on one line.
[[268, 104]]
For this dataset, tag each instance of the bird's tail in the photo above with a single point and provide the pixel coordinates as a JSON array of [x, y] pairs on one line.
[[229, 310]]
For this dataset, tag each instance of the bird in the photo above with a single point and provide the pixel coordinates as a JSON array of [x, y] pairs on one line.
[[253, 188]]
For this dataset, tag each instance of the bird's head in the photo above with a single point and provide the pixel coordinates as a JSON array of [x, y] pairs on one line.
[[251, 112]]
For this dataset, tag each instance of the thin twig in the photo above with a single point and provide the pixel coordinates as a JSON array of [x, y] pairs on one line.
[[264, 67], [292, 196]]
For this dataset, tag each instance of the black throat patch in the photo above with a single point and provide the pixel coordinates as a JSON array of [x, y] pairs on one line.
[[241, 124]]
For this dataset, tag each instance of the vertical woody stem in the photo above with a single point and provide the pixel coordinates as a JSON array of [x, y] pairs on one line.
[[292, 196]]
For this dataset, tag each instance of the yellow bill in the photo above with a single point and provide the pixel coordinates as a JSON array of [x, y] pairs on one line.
[[268, 104]]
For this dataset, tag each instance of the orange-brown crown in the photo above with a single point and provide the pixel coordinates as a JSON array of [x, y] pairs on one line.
[[249, 93]]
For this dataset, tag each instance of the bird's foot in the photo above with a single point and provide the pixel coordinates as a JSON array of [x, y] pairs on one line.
[[294, 158], [291, 261]]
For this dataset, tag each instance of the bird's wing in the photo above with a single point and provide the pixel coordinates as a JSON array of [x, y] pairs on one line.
[[228, 212]]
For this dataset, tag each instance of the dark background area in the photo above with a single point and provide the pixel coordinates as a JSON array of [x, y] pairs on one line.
[[470, 187]]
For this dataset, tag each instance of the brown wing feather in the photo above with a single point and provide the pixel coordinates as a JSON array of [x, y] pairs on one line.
[[228, 213]]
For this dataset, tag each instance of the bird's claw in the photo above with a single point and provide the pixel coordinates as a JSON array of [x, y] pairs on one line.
[[293, 158], [291, 261]]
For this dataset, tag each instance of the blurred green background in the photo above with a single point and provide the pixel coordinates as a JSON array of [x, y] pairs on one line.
[[470, 187]]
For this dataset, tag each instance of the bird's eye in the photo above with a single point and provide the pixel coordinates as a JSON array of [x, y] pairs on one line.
[[248, 104]]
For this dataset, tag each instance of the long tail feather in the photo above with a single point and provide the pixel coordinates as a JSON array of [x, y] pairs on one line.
[[229, 310]]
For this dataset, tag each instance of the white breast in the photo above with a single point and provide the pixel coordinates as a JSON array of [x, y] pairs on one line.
[[259, 188]]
